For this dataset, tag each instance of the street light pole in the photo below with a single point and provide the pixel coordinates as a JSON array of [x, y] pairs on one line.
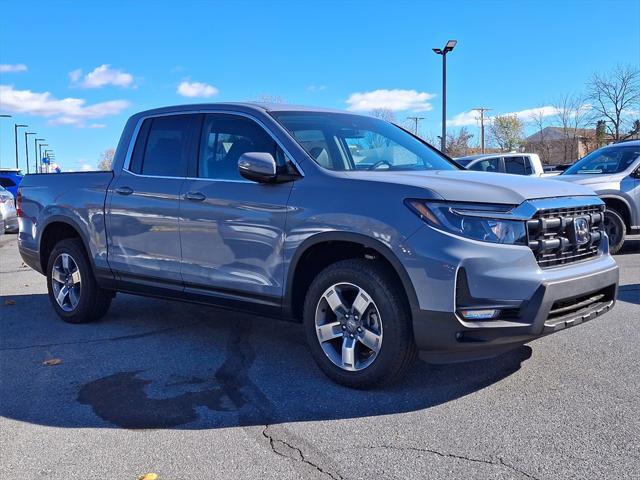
[[26, 147], [16, 126], [35, 152], [443, 51]]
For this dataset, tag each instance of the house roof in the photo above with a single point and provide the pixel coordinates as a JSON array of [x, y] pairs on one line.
[[559, 133]]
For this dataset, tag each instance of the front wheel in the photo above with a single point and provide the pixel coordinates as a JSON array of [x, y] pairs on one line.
[[615, 228], [358, 324], [72, 287]]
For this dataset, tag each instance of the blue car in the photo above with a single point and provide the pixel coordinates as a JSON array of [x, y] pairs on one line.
[[10, 179]]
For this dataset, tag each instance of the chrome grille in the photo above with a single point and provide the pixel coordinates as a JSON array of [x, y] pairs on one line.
[[552, 237]]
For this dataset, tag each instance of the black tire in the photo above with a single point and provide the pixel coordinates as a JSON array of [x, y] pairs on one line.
[[397, 350], [615, 228], [92, 301]]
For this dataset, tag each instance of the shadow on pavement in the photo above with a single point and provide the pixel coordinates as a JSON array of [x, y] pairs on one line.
[[629, 293], [161, 364], [631, 246]]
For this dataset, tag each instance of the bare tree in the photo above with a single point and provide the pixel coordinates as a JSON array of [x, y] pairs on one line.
[[614, 97], [266, 98], [458, 143], [383, 114], [541, 145], [572, 114], [106, 159], [506, 132]]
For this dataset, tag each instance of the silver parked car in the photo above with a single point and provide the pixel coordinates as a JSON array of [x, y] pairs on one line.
[[8, 217], [614, 173]]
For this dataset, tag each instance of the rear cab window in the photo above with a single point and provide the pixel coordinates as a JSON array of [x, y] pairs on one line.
[[517, 165], [163, 146]]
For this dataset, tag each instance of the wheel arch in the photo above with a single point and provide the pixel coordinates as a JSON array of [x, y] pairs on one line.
[[621, 205], [56, 229], [349, 245]]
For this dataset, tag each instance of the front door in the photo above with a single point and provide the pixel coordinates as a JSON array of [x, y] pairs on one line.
[[144, 203], [232, 229]]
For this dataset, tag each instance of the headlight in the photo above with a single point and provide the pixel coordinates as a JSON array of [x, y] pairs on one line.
[[482, 222]]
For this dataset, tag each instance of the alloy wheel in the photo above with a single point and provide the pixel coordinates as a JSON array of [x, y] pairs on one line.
[[66, 282], [348, 326]]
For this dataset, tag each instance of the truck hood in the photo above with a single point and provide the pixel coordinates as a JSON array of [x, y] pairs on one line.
[[483, 187], [588, 179]]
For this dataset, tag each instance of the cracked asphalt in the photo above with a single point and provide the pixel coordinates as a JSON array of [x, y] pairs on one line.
[[187, 392]]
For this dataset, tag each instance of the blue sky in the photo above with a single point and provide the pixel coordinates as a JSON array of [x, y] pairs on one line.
[[90, 65]]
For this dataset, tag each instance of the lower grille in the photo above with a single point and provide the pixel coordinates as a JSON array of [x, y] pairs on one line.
[[565, 235], [572, 311]]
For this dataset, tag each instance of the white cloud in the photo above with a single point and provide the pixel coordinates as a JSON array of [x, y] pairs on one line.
[[85, 167], [75, 75], [17, 68], [196, 89], [472, 117], [396, 100], [102, 76], [66, 111], [316, 88]]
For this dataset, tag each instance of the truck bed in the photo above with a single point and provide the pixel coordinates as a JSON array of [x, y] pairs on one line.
[[77, 197]]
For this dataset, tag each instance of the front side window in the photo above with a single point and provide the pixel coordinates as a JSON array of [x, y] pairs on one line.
[[225, 138], [163, 146], [605, 160], [486, 165], [517, 165], [339, 141]]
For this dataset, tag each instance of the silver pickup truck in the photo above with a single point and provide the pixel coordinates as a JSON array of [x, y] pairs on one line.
[[376, 242], [613, 172]]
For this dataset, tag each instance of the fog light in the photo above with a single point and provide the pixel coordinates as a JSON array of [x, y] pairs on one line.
[[485, 314]]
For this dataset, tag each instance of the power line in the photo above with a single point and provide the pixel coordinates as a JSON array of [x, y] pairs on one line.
[[481, 110]]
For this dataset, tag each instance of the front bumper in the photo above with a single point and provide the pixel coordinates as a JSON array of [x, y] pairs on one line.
[[539, 301]]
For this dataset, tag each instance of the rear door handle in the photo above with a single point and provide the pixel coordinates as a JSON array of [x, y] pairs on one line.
[[124, 190], [195, 196]]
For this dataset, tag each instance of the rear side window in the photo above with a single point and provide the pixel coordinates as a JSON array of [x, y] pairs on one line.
[[7, 182], [517, 165], [163, 146], [487, 165]]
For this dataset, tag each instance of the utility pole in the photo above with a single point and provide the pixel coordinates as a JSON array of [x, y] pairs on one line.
[[416, 120], [482, 110]]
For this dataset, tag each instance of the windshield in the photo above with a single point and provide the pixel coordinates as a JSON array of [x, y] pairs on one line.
[[605, 160], [353, 142]]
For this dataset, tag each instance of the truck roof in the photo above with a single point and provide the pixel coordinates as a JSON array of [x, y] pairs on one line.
[[239, 106], [491, 155]]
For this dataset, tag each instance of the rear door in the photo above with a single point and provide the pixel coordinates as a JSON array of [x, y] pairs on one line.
[[144, 202], [232, 229]]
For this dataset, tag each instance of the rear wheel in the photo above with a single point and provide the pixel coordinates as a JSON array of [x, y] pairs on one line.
[[615, 228], [358, 324], [72, 287]]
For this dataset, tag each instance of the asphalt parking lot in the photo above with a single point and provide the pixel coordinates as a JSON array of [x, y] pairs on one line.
[[189, 392]]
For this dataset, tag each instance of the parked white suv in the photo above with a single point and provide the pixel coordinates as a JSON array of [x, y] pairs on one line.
[[514, 163]]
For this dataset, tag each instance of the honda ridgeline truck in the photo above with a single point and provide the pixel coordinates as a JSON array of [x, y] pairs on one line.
[[376, 242]]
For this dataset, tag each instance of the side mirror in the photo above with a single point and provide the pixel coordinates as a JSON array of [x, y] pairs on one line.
[[258, 167]]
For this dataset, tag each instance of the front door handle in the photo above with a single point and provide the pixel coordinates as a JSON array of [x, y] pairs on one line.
[[195, 196], [124, 190]]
